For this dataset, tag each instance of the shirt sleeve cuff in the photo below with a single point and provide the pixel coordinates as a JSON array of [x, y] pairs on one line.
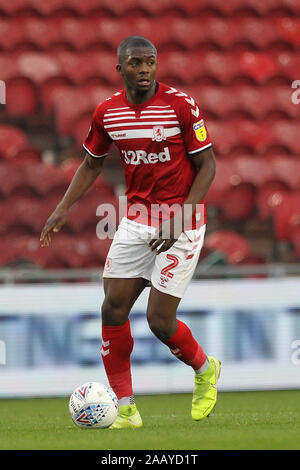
[[92, 154], [200, 149]]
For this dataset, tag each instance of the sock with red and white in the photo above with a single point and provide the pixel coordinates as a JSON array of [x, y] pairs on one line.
[[117, 345], [184, 346]]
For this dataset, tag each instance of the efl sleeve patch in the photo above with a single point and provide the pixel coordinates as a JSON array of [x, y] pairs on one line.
[[200, 131]]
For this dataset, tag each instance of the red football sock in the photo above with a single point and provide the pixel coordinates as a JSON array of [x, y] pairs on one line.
[[117, 344], [184, 346]]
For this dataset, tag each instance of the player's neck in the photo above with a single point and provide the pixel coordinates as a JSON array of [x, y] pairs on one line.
[[138, 97]]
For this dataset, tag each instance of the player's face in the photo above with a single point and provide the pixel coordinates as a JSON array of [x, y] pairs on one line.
[[138, 69]]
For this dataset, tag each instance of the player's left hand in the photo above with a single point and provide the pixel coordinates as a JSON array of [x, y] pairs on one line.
[[166, 235]]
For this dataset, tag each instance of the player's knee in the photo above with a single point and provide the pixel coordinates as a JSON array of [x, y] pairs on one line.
[[113, 313], [160, 327]]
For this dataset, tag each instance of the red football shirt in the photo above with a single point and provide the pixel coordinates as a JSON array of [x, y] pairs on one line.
[[156, 140]]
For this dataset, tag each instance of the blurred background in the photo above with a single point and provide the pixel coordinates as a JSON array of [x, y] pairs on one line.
[[240, 60]]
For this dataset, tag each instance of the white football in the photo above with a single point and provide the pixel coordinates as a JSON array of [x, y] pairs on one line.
[[93, 405]]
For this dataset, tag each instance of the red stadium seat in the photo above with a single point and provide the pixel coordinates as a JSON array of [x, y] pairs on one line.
[[25, 157], [185, 32], [75, 252], [259, 32], [81, 127], [21, 97], [38, 66], [281, 104], [255, 101], [219, 101], [46, 8], [180, 66], [257, 135], [100, 248], [119, 9], [45, 178], [104, 67], [286, 134], [77, 32], [10, 33], [29, 213], [10, 179], [258, 65], [225, 137], [287, 65], [28, 249], [224, 33], [219, 66], [231, 244], [8, 253], [268, 197], [69, 168], [79, 216], [41, 32], [224, 179], [8, 217], [87, 8], [96, 93], [73, 66], [50, 89], [109, 31], [12, 141], [238, 202], [293, 5], [225, 8], [157, 30], [287, 170], [8, 67], [287, 216], [250, 169], [289, 30], [68, 105]]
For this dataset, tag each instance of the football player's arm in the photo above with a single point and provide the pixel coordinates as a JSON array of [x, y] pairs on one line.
[[205, 163], [83, 179]]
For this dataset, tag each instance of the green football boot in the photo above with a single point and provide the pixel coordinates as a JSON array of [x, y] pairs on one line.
[[128, 418], [205, 391]]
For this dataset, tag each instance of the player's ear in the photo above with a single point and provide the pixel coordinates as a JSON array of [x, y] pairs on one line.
[[119, 69]]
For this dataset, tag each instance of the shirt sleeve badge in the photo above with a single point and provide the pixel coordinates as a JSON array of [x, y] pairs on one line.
[[200, 130]]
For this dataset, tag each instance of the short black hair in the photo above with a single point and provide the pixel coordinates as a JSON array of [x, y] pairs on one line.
[[134, 41]]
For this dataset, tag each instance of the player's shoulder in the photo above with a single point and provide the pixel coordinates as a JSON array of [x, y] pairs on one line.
[[178, 99], [112, 101]]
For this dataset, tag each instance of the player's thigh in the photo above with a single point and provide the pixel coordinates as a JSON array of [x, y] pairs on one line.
[[120, 296], [175, 267], [129, 255]]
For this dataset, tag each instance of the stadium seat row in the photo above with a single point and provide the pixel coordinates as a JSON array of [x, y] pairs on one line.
[[41, 179], [185, 7], [241, 187], [66, 251], [183, 68], [24, 98], [167, 32], [230, 137]]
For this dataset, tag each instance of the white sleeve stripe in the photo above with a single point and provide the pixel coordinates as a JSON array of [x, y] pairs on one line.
[[200, 150], [92, 154]]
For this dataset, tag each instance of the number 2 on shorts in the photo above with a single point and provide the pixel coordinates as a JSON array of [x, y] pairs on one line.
[[174, 262]]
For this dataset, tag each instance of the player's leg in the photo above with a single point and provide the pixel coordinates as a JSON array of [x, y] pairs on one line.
[[170, 277], [117, 343], [161, 315]]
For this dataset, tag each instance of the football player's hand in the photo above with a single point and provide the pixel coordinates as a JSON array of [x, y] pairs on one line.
[[166, 235], [55, 222]]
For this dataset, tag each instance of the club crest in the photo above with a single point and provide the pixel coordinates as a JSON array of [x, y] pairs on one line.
[[158, 133]]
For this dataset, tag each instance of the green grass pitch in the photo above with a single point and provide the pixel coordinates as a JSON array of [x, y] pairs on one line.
[[242, 420]]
